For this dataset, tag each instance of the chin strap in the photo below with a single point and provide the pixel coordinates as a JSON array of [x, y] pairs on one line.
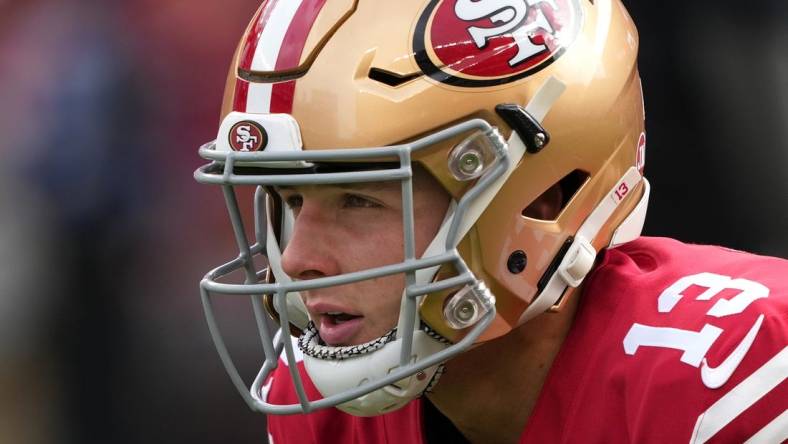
[[579, 258]]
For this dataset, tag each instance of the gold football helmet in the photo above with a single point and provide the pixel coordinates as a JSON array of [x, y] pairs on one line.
[[500, 100]]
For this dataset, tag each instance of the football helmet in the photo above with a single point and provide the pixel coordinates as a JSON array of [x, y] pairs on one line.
[[499, 100]]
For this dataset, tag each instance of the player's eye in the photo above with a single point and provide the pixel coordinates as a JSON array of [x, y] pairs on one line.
[[356, 201]]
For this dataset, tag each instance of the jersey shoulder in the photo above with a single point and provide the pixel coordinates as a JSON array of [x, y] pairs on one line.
[[655, 257], [664, 280], [697, 333]]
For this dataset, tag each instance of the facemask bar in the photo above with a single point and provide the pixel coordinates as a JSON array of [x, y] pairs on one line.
[[409, 266]]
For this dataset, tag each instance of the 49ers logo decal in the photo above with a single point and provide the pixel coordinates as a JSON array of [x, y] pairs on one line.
[[476, 43], [248, 136]]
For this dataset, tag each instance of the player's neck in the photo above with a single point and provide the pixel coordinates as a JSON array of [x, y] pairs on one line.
[[488, 393]]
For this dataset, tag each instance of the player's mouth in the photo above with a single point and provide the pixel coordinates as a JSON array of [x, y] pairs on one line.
[[338, 328]]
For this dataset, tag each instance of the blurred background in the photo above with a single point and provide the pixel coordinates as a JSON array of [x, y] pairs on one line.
[[104, 235]]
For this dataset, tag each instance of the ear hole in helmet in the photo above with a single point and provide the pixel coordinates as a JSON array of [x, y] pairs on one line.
[[553, 200], [390, 78]]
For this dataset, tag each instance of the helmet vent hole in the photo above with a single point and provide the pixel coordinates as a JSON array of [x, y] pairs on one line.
[[550, 204], [390, 78]]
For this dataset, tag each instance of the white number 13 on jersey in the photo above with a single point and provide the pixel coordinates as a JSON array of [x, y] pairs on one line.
[[695, 344]]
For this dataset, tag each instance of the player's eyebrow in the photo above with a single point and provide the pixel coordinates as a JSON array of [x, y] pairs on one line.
[[360, 186]]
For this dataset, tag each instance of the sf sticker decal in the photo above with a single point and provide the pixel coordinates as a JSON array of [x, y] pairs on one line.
[[248, 136], [477, 43]]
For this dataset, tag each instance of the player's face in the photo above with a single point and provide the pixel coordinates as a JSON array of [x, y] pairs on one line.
[[342, 229]]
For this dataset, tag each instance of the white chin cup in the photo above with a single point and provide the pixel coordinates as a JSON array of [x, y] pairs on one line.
[[332, 377]]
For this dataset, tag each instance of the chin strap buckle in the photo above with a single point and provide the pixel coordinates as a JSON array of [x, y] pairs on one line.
[[577, 262]]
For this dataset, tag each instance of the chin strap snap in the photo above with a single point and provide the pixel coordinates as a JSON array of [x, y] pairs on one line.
[[578, 262]]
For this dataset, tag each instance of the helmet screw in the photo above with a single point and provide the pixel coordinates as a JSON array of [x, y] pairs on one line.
[[470, 162], [465, 311], [421, 376], [540, 139], [517, 261], [466, 307]]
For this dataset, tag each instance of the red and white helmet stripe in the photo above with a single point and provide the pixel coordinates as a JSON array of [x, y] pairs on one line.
[[274, 43]]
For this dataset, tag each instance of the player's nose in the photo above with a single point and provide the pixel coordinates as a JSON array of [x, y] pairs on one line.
[[308, 254]]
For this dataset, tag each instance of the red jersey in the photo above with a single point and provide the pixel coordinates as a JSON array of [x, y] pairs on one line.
[[671, 343]]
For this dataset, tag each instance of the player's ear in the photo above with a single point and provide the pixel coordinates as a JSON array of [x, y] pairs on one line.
[[547, 205]]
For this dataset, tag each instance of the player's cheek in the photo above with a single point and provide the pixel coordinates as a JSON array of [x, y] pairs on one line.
[[384, 300]]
